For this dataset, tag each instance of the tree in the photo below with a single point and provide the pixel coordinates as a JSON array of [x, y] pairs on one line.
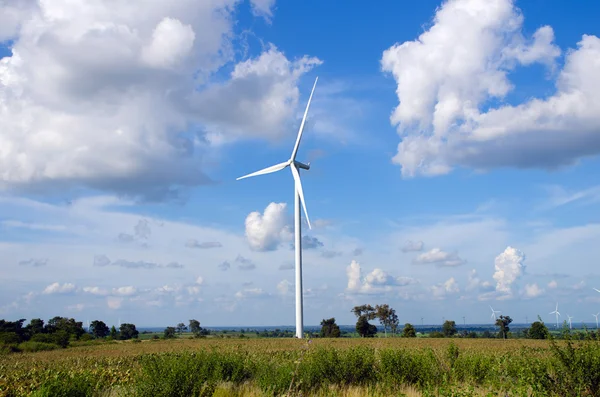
[[169, 332], [128, 331], [409, 331], [387, 317], [366, 310], [181, 327], [113, 332], [365, 329], [35, 326], [449, 328], [99, 329], [538, 330], [394, 322], [329, 329], [195, 327], [364, 314], [503, 322], [69, 325]]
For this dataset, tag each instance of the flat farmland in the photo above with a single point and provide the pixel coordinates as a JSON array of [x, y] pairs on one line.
[[344, 366]]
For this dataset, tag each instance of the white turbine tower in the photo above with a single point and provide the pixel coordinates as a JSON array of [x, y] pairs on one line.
[[298, 196], [557, 314], [570, 318], [596, 315], [494, 313]]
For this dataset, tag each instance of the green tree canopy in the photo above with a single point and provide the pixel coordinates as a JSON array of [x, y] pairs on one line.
[[128, 331], [387, 317], [538, 330], [195, 327], [502, 322], [329, 329], [409, 331], [99, 329], [169, 332], [365, 329], [449, 328], [181, 327]]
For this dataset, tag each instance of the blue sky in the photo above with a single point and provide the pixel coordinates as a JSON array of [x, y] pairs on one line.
[[453, 148]]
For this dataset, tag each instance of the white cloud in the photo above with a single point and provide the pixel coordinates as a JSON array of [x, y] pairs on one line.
[[509, 267], [552, 284], [532, 290], [132, 102], [95, 290], [263, 8], [284, 287], [57, 288], [124, 291], [250, 293], [439, 257], [475, 283], [266, 231], [199, 280], [448, 287], [447, 77], [411, 246], [171, 43], [375, 282]]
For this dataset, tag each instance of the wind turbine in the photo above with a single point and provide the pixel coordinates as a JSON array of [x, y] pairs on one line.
[[494, 313], [298, 196], [596, 315], [557, 314], [597, 290], [569, 317]]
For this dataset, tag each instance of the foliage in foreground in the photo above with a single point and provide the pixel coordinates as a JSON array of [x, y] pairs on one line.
[[560, 368]]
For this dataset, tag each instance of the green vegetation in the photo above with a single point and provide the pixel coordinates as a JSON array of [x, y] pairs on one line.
[[381, 366], [191, 360], [329, 329]]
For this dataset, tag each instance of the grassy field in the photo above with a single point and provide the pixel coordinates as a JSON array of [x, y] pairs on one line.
[[349, 367]]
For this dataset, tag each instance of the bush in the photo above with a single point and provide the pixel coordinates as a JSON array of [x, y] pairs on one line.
[[37, 346]]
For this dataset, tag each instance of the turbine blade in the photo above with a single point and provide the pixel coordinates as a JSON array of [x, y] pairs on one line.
[[597, 290], [296, 175], [302, 124], [267, 170]]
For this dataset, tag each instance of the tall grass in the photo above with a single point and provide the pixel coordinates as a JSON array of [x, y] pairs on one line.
[[455, 369]]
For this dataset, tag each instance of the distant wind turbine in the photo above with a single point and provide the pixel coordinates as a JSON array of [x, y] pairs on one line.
[[596, 315], [298, 197], [557, 314], [570, 318], [494, 312]]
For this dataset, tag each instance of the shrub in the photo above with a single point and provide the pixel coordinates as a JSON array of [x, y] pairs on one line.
[[37, 346]]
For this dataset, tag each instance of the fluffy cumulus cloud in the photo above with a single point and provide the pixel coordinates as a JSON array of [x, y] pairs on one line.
[[439, 257], [533, 290], [475, 283], [57, 288], [448, 287], [114, 97], [375, 282], [509, 267], [447, 78], [266, 231]]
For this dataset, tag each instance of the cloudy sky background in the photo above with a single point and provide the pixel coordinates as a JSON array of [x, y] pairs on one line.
[[453, 147]]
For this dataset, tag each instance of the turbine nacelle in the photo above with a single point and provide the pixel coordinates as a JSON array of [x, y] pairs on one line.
[[302, 165]]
